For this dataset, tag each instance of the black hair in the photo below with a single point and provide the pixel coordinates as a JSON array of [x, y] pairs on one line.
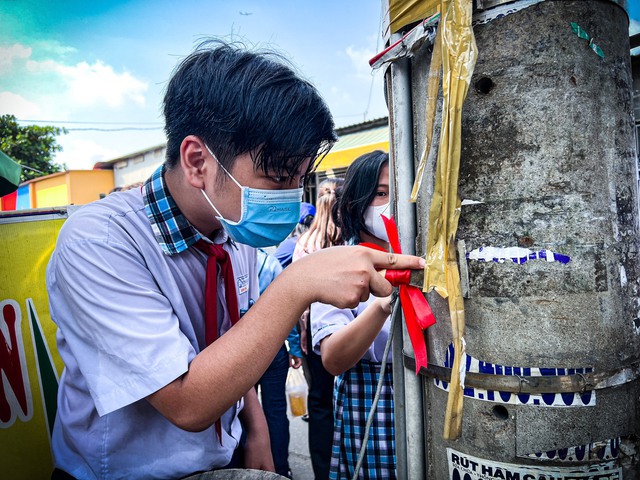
[[238, 101], [357, 193], [307, 221]]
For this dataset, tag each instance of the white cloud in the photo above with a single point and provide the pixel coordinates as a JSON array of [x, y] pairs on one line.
[[81, 86], [81, 153], [54, 47], [361, 89], [83, 149], [16, 105], [94, 85], [338, 93], [10, 53], [360, 60], [40, 83]]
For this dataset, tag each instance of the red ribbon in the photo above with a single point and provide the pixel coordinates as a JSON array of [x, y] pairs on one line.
[[417, 312]]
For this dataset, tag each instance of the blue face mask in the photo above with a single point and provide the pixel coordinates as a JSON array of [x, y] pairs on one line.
[[267, 216]]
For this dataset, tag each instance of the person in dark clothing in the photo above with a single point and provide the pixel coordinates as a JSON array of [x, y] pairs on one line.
[[322, 233]]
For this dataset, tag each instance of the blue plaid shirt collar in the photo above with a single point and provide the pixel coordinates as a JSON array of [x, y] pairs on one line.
[[172, 230]]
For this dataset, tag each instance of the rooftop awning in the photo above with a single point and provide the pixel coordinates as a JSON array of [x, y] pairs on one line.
[[351, 145], [9, 174]]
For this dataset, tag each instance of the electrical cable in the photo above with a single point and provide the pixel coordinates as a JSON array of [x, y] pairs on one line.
[[376, 398], [86, 122], [124, 129], [132, 126], [34, 169], [366, 110]]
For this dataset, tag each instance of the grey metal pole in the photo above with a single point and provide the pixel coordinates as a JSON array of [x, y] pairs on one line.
[[408, 394], [548, 165]]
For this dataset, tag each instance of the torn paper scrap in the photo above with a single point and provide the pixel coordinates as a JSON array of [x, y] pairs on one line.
[[517, 255]]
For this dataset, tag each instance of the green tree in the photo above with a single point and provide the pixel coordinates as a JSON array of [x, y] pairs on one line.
[[31, 146]]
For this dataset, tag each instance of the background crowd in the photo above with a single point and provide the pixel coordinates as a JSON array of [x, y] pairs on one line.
[[341, 350]]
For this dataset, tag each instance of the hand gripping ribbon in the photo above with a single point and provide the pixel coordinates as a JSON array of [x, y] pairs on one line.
[[417, 312]]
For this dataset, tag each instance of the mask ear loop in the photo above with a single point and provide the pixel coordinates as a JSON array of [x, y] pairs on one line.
[[225, 171], [211, 203], [221, 166]]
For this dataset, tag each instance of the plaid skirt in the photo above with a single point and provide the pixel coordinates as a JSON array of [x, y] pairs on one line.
[[354, 391]]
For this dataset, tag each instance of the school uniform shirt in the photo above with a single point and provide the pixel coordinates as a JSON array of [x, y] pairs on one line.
[[353, 396], [126, 290], [327, 319]]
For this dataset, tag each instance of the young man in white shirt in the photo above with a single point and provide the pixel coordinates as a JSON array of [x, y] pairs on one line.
[[144, 394]]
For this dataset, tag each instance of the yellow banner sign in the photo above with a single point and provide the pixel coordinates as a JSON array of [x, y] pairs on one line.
[[29, 362]]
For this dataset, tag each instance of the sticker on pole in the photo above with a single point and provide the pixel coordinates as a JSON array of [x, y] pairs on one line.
[[561, 400], [467, 467]]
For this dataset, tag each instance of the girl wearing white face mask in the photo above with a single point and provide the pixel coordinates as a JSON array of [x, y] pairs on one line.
[[352, 341]]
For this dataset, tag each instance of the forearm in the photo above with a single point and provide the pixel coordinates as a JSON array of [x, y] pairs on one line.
[[257, 447], [224, 371], [252, 415], [343, 349]]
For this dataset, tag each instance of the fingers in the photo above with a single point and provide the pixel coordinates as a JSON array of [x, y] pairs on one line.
[[344, 276], [295, 362], [396, 261], [385, 305], [379, 286]]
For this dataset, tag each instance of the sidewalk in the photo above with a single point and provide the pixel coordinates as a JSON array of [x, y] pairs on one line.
[[299, 459]]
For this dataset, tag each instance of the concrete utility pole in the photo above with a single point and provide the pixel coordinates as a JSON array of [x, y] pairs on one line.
[[551, 249]]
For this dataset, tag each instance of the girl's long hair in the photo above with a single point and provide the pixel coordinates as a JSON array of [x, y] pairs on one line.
[[323, 231]]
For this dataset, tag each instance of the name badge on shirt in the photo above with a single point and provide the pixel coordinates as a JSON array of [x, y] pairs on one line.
[[243, 284]]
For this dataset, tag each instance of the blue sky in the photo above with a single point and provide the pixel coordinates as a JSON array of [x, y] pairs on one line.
[[99, 61], [102, 65]]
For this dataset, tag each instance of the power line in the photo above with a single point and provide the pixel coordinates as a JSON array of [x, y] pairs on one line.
[[366, 110], [97, 129], [125, 129], [90, 122], [34, 169], [348, 116]]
